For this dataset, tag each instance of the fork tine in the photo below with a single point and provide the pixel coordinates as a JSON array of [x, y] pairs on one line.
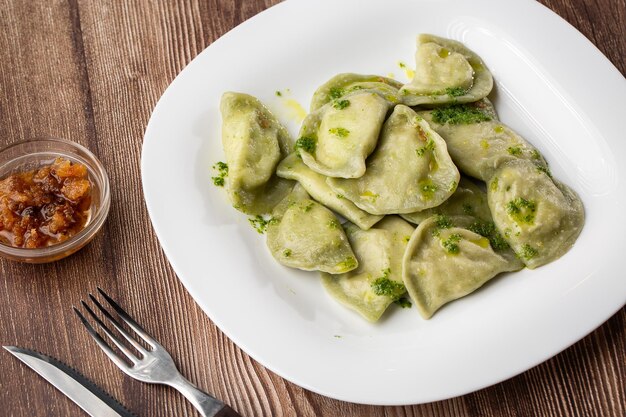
[[100, 341], [129, 320], [118, 326], [129, 354]]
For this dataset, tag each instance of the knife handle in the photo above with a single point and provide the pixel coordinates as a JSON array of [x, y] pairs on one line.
[[207, 405]]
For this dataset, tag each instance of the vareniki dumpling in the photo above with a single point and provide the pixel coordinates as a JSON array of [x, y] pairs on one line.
[[386, 157], [254, 142], [304, 234], [377, 282], [335, 139], [409, 171], [293, 168], [446, 72], [448, 258], [468, 199], [479, 143], [343, 84], [539, 216]]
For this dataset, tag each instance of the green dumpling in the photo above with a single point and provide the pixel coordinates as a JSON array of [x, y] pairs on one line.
[[540, 217], [468, 199], [293, 168], [335, 140], [254, 142], [477, 141], [377, 282], [304, 234], [447, 259], [446, 72], [409, 171]]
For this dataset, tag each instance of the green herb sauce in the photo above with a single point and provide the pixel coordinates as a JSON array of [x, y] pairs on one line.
[[429, 147], [489, 230], [339, 132], [455, 91], [307, 144], [545, 170], [341, 104], [348, 264], [403, 302], [459, 114], [514, 150], [528, 252], [335, 93], [429, 188], [260, 224], [386, 287], [443, 222], [468, 209], [222, 169], [451, 243], [522, 210]]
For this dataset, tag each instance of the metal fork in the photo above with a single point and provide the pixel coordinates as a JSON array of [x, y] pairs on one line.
[[153, 365]]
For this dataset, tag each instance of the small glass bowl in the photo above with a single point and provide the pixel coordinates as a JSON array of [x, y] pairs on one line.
[[32, 154]]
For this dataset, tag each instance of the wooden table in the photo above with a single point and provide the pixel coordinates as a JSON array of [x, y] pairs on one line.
[[92, 71]]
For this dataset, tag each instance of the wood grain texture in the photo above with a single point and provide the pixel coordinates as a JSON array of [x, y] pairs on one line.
[[92, 71]]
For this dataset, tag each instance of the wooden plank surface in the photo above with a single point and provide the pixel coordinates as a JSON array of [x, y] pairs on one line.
[[91, 71]]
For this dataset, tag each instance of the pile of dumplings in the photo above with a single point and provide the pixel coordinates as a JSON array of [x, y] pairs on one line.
[[376, 191]]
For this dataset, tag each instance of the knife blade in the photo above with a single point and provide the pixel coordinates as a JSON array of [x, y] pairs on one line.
[[87, 395]]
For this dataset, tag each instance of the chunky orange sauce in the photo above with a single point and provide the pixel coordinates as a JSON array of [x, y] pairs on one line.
[[44, 206]]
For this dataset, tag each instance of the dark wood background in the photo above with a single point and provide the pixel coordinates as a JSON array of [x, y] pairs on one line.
[[91, 71]]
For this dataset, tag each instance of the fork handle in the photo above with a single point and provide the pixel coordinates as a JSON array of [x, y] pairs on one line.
[[207, 405]]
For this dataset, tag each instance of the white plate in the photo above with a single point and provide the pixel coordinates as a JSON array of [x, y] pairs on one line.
[[553, 86]]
